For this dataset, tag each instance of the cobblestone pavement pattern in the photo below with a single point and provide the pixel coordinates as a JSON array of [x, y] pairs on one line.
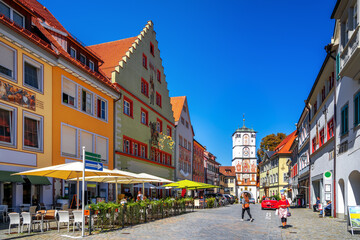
[[219, 223]]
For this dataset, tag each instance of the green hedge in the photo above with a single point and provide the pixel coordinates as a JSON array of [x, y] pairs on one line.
[[112, 215]]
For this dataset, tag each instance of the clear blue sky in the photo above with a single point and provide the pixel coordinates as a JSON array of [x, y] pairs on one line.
[[228, 57]]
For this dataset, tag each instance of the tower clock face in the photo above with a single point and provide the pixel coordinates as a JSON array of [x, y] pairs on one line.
[[246, 152]]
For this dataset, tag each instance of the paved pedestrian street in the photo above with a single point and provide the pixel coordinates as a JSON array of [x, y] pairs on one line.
[[219, 223]]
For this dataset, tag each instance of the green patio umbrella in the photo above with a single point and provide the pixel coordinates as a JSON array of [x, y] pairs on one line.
[[185, 184], [204, 186]]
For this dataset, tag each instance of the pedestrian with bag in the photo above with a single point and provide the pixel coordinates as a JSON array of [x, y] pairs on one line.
[[283, 210], [246, 207]]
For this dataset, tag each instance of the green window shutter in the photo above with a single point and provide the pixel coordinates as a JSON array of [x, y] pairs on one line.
[[338, 66], [356, 109], [346, 119]]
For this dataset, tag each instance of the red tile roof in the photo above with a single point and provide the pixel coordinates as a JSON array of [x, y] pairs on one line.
[[27, 34], [44, 13], [227, 171], [41, 12], [284, 146], [112, 53], [177, 106]]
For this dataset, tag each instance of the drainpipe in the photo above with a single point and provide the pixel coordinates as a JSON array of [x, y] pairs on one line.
[[334, 213], [309, 118], [329, 52], [114, 136]]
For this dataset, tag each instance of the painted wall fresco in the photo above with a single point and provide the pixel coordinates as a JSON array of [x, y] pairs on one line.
[[16, 95]]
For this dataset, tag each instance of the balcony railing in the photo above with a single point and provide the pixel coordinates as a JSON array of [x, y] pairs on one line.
[[349, 55]]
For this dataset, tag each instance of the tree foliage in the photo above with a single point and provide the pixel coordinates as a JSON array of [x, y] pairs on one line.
[[269, 143]]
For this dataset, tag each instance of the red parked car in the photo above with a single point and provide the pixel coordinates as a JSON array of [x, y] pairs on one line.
[[269, 204]]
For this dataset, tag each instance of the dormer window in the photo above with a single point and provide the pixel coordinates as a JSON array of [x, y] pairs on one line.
[[12, 14], [72, 52], [82, 59], [91, 65]]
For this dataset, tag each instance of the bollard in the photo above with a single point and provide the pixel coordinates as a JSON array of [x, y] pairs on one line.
[[90, 220]]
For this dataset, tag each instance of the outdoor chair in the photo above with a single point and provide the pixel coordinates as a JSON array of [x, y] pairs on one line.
[[32, 210], [50, 216], [3, 212], [65, 207], [38, 218], [64, 217], [14, 220], [77, 218], [27, 220]]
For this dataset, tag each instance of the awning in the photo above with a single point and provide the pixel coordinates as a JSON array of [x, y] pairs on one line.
[[5, 176], [38, 180]]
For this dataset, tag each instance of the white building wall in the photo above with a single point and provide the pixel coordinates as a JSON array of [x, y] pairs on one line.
[[186, 133], [348, 161]]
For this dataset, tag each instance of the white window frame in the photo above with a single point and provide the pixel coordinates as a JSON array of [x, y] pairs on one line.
[[40, 132], [96, 136], [14, 125], [143, 151], [128, 107], [143, 117], [14, 77], [76, 92], [82, 55], [12, 14], [106, 108], [92, 101], [76, 141], [71, 48], [92, 140], [91, 65], [38, 65]]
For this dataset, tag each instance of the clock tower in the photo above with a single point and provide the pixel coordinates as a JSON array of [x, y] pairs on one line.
[[244, 160]]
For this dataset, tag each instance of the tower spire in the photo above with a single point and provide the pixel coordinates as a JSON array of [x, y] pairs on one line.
[[243, 120]]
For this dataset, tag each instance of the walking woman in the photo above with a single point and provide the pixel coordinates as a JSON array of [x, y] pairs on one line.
[[282, 206], [246, 207]]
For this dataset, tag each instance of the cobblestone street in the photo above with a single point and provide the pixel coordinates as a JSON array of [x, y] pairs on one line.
[[220, 223]]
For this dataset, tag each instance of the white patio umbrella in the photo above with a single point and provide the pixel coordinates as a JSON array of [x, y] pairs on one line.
[[144, 185], [139, 178], [72, 170], [123, 177]]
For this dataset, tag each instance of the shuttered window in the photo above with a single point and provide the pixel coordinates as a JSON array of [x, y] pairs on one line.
[[69, 92], [102, 147], [7, 61], [68, 141], [344, 119], [87, 141]]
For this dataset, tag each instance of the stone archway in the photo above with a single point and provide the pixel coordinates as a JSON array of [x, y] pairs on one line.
[[353, 196], [341, 197]]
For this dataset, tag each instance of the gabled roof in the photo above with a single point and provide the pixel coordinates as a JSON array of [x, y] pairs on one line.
[[177, 106], [228, 171], [112, 53], [284, 146]]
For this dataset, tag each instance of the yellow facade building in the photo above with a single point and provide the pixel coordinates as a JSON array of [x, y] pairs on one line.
[[274, 168], [53, 101]]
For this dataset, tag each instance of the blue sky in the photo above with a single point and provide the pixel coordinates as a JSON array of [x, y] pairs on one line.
[[228, 57]]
